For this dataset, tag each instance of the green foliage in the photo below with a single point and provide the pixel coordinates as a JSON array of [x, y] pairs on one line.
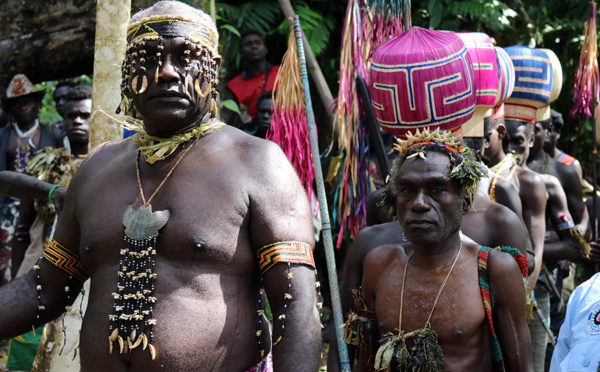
[[266, 17], [231, 105], [48, 114]]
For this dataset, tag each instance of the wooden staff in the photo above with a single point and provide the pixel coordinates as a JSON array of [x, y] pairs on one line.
[[329, 254]]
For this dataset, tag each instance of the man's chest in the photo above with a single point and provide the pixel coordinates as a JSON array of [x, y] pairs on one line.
[[206, 221]]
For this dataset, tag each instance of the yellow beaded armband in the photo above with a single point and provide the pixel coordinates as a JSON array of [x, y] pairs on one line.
[[292, 252], [60, 257]]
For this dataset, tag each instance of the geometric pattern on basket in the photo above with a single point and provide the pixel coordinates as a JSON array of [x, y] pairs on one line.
[[533, 74], [57, 255], [291, 251], [485, 65], [506, 76], [422, 78], [533, 83]]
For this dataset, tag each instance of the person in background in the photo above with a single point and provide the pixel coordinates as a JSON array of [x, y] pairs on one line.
[[262, 122], [60, 93], [551, 143], [257, 77]]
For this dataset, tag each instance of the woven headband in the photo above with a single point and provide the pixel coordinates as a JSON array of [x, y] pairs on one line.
[[461, 149], [202, 33]]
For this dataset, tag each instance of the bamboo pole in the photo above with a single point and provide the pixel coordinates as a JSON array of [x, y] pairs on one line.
[[329, 253], [112, 18], [313, 66]]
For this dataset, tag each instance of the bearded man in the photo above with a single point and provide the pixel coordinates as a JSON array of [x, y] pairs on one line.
[[182, 228]]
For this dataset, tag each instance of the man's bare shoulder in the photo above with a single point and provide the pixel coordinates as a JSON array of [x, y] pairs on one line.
[[382, 256], [104, 154], [531, 183], [503, 265], [250, 151]]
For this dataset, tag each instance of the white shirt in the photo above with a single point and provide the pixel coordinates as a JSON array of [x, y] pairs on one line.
[[578, 346]]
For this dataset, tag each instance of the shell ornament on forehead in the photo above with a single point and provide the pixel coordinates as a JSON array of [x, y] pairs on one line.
[[140, 63]]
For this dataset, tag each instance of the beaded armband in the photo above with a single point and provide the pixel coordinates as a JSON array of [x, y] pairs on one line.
[[289, 252], [361, 320], [60, 257]]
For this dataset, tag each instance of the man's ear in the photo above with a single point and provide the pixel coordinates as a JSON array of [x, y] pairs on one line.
[[466, 202], [501, 129]]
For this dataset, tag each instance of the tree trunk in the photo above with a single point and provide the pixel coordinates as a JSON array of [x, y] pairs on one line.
[[111, 31]]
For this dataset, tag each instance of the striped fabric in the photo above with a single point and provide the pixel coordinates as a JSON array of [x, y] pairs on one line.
[[293, 252], [484, 285], [60, 257]]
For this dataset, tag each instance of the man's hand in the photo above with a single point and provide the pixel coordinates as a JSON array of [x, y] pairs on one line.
[[594, 252]]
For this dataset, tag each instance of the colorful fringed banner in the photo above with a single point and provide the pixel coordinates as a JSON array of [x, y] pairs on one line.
[[350, 199], [585, 85], [422, 79], [289, 128], [388, 20], [367, 25], [533, 83]]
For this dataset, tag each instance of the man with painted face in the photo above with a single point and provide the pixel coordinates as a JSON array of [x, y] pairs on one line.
[[202, 222], [423, 295]]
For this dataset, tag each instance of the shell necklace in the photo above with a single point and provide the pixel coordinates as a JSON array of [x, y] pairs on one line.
[[132, 322]]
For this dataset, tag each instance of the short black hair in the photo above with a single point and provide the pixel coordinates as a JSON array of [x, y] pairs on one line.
[[557, 120], [474, 143], [65, 83], [266, 95], [79, 93], [251, 31]]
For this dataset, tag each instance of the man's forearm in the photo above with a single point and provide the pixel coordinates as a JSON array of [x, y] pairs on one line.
[[299, 348], [20, 185]]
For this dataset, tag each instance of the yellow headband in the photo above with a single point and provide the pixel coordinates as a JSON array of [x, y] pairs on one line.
[[202, 32]]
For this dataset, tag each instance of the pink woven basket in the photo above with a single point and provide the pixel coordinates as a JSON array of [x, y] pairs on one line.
[[422, 79], [485, 65]]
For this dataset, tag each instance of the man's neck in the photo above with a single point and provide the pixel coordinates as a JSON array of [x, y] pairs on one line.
[[79, 148], [24, 127], [257, 67], [497, 157], [554, 152], [436, 255], [536, 160]]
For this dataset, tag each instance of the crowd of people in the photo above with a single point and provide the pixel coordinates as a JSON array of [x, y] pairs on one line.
[[192, 240]]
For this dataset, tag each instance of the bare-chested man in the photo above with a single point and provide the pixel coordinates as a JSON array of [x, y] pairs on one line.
[[551, 144], [520, 140], [530, 185], [431, 283], [185, 300]]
